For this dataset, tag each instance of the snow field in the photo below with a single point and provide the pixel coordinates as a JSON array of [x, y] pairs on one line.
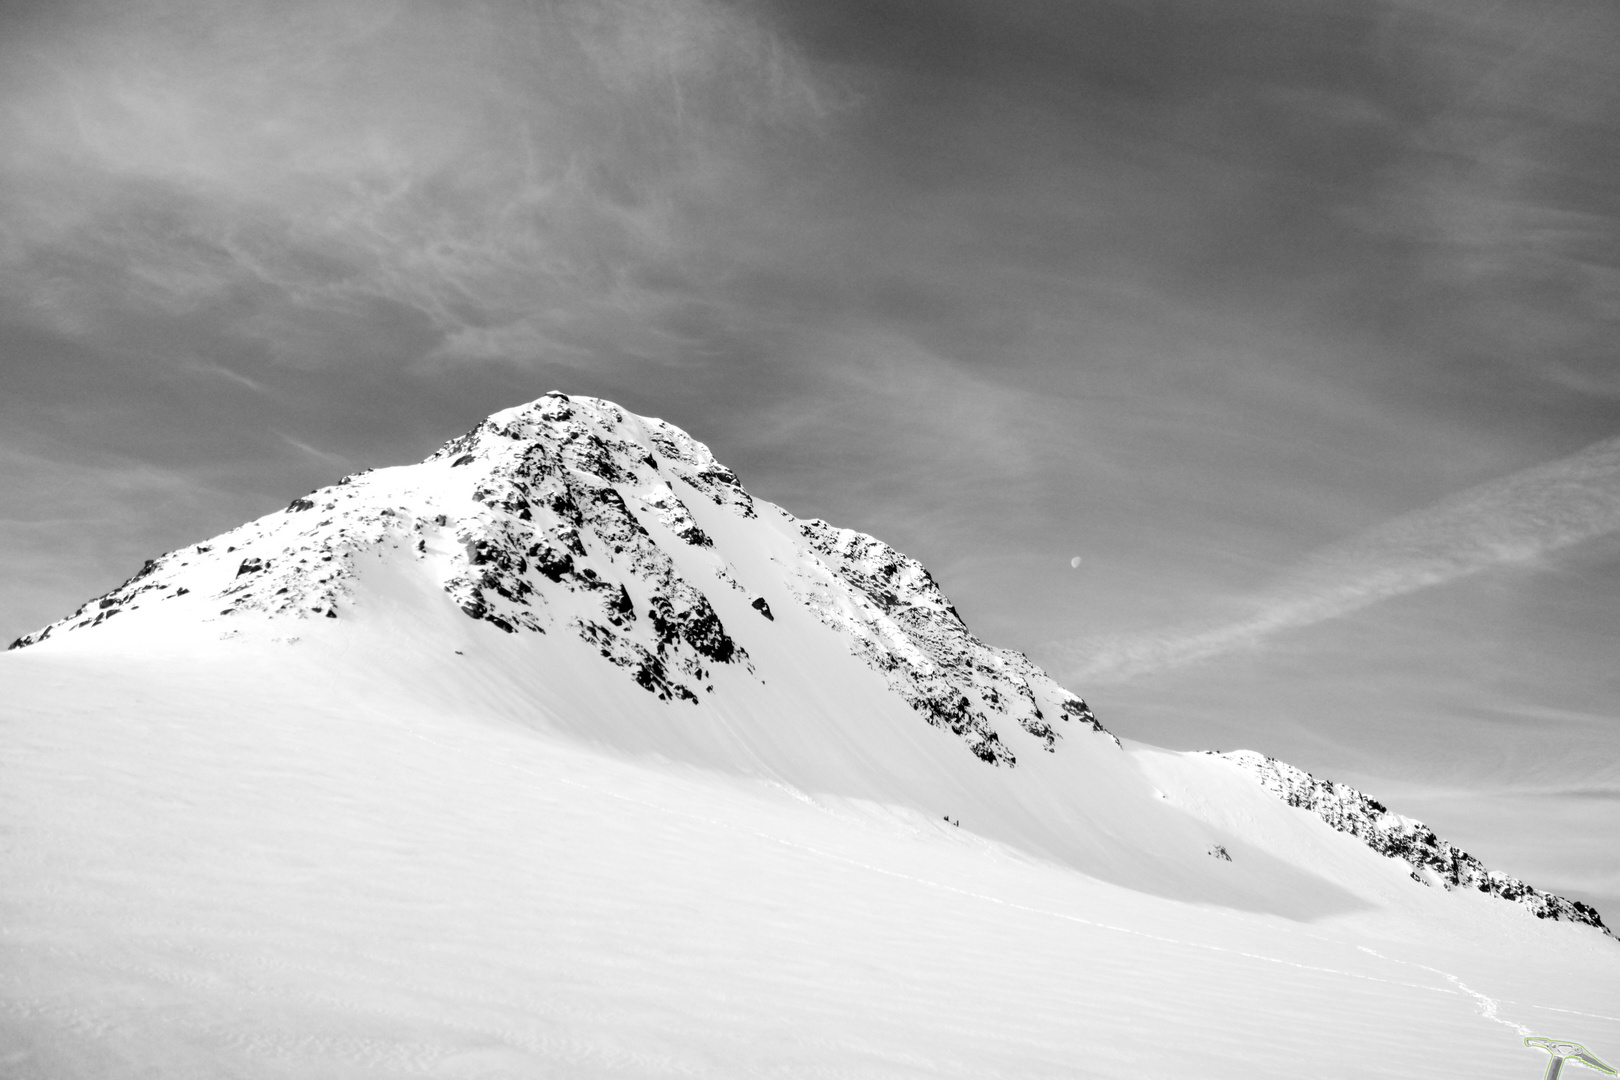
[[237, 866]]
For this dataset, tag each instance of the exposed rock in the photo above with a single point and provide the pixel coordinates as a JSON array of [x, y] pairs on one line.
[[901, 625], [1399, 837]]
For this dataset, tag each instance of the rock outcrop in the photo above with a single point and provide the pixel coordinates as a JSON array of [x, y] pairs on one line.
[[1433, 860]]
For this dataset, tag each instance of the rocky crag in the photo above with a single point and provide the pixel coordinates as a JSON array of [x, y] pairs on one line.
[[1433, 860]]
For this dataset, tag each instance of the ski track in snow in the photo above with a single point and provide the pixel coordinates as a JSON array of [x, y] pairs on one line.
[[1487, 1004]]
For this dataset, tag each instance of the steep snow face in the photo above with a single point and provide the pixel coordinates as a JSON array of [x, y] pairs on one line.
[[1400, 837], [567, 515]]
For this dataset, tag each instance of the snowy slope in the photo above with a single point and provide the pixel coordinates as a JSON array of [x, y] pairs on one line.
[[559, 754]]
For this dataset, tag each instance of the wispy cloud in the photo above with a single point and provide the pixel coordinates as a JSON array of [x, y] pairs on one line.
[[280, 165], [335, 461], [200, 367], [1515, 519]]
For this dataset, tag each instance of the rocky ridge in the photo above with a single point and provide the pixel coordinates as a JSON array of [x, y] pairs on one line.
[[1433, 860], [901, 625]]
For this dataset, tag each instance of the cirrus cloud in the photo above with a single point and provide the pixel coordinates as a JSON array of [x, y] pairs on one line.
[[1514, 519]]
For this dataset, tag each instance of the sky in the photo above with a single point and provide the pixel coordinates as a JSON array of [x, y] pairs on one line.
[[1294, 321]]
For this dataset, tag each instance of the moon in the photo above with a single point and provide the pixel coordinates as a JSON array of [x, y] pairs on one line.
[[1075, 562]]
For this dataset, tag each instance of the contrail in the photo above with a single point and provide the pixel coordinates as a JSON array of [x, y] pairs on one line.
[[1513, 519]]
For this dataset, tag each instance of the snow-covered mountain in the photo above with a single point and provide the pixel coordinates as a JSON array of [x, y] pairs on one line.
[[561, 517], [544, 686]]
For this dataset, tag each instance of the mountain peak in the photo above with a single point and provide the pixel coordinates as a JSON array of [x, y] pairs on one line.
[[572, 515]]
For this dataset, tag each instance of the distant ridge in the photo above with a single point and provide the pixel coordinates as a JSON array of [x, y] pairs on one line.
[[1433, 860]]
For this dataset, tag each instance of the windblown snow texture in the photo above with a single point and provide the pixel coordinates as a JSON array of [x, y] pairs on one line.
[[1400, 837]]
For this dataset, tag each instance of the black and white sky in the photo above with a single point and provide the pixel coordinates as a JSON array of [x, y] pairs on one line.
[[1294, 320]]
